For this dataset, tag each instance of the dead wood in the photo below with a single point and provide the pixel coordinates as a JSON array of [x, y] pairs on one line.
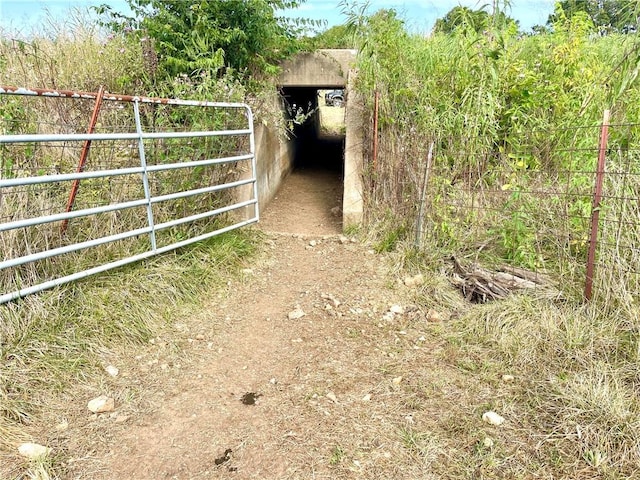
[[480, 285]]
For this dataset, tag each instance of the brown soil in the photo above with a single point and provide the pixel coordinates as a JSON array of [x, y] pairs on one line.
[[239, 390], [260, 395], [309, 203]]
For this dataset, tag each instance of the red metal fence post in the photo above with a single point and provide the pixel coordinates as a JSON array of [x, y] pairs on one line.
[[83, 158], [595, 211]]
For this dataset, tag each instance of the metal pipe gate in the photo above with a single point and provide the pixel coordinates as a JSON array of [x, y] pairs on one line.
[[147, 184]]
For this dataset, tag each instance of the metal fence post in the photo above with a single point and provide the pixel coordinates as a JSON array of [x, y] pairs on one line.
[[83, 157], [595, 211], [145, 175], [254, 162]]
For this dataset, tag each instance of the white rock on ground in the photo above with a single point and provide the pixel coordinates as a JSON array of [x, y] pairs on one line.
[[33, 450], [101, 404], [112, 370], [296, 313], [493, 418], [508, 378], [397, 309]]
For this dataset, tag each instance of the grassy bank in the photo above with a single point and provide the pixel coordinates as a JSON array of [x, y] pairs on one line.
[[60, 341]]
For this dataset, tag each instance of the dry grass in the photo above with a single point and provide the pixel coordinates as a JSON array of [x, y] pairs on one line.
[[55, 345]]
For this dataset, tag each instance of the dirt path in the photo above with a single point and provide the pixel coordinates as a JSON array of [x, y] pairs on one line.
[[325, 384]]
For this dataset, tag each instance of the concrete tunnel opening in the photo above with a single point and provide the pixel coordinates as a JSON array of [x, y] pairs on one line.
[[316, 145], [317, 130], [313, 148]]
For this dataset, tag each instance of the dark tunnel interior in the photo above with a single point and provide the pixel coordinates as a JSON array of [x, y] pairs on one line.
[[312, 149]]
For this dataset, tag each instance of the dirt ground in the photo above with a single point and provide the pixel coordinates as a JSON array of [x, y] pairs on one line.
[[313, 363], [261, 394]]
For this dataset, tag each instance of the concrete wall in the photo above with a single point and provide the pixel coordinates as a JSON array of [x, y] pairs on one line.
[[322, 69], [274, 155], [274, 158], [334, 69], [352, 196]]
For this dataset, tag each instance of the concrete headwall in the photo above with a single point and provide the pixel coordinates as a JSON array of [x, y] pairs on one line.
[[328, 68], [274, 154], [332, 68]]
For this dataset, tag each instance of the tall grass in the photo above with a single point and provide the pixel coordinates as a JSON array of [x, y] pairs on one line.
[[515, 124]]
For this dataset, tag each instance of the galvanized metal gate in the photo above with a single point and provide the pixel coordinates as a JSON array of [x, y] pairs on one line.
[[147, 176]]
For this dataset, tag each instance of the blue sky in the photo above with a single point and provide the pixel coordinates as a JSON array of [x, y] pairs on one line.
[[26, 16]]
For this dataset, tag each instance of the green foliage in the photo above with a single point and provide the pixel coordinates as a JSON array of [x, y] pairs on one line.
[[505, 113], [609, 16], [339, 36], [475, 20], [237, 36]]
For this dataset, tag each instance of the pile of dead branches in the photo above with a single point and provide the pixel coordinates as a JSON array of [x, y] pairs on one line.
[[480, 285]]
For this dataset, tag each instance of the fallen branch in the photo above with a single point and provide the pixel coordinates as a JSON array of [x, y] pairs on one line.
[[480, 285]]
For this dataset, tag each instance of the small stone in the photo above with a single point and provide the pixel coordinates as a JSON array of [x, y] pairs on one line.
[[33, 450], [418, 280], [313, 243], [508, 378], [342, 239], [111, 370], [334, 300], [408, 281], [487, 442], [366, 398], [397, 309], [101, 404], [493, 418], [388, 316], [397, 380], [200, 337], [332, 396], [62, 426], [433, 316], [273, 381], [247, 271], [121, 418], [296, 313]]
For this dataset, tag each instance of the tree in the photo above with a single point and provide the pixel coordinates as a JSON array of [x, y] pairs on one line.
[[462, 17], [619, 16], [475, 20], [237, 36]]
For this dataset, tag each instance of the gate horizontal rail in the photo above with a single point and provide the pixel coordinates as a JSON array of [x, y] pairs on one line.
[[196, 194]]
